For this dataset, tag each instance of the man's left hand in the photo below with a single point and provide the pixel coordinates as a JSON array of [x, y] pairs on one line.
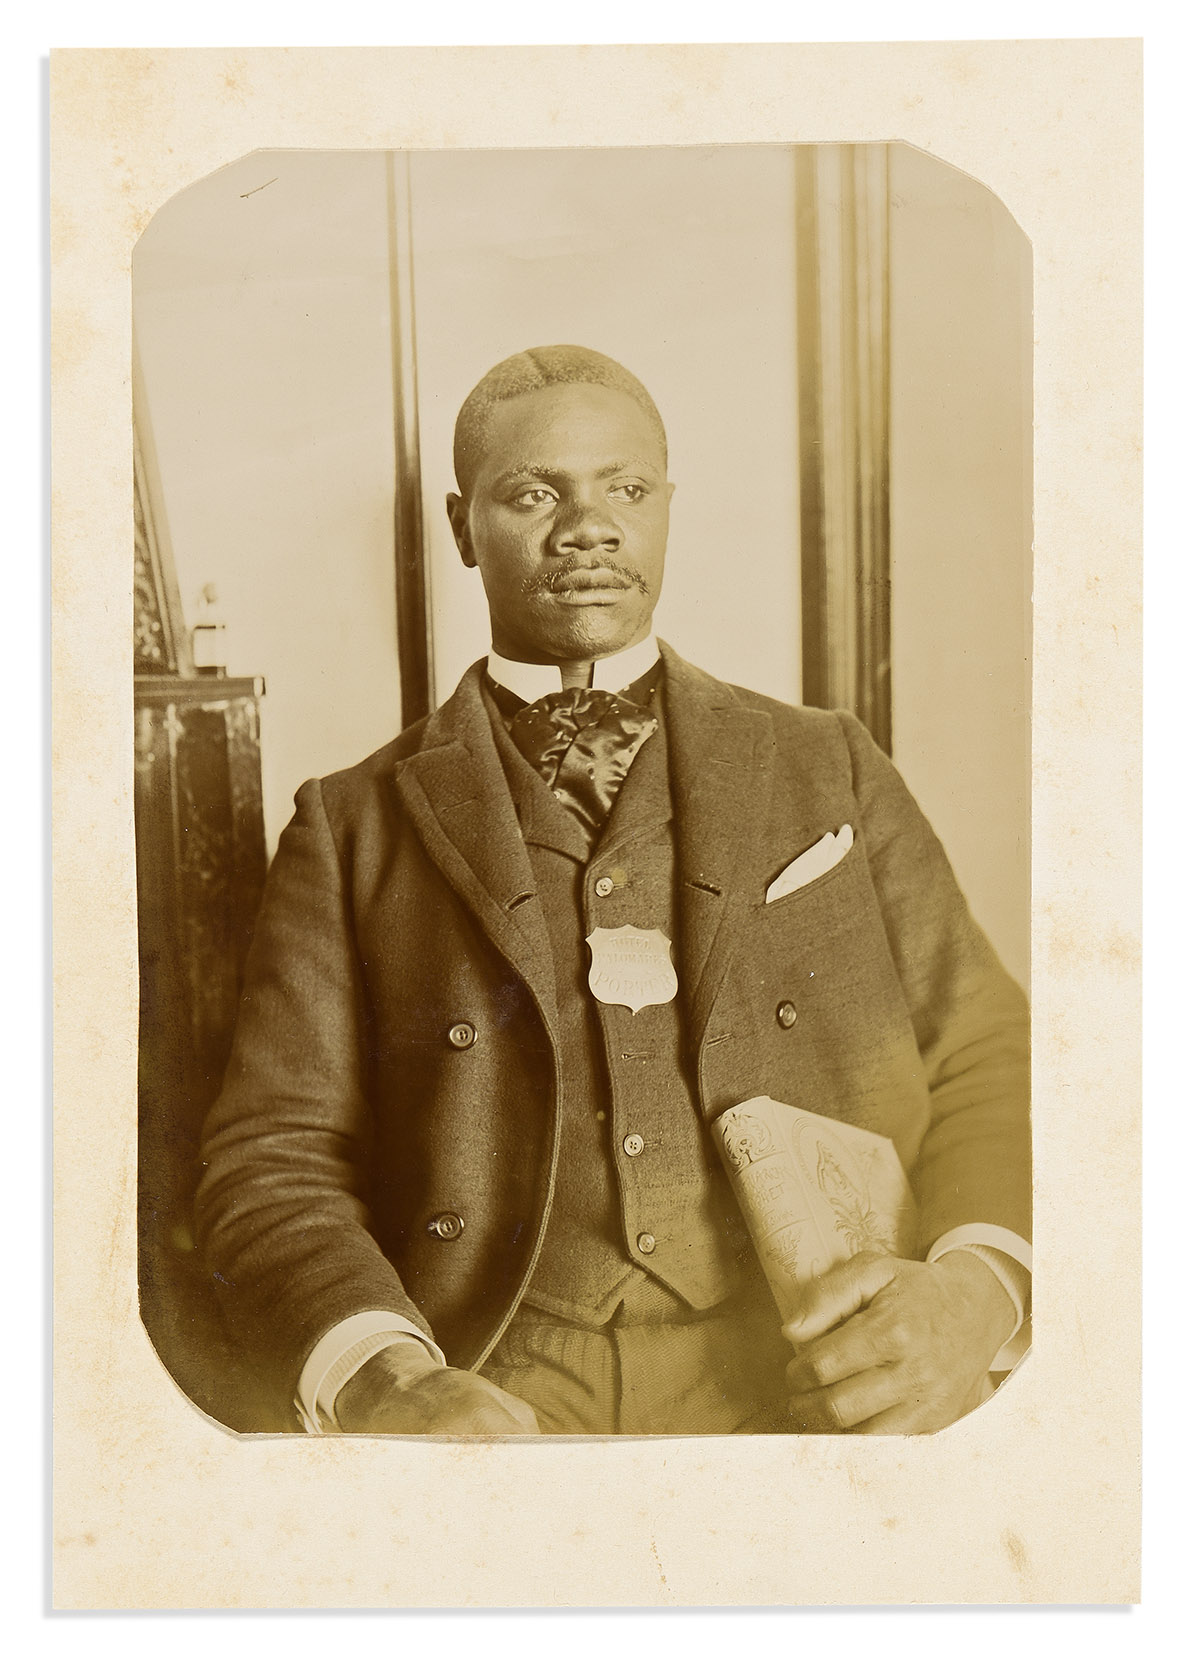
[[885, 1346]]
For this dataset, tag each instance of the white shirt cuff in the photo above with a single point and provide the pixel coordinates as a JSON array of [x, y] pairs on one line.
[[1010, 1258], [337, 1356]]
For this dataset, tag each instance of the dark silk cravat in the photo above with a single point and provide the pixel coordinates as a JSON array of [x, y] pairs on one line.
[[583, 743]]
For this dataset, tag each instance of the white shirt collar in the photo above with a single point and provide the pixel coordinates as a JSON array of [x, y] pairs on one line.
[[529, 681]]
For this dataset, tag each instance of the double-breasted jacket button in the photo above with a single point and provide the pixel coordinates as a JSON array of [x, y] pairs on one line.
[[462, 1035], [786, 1015], [646, 1243], [633, 1144], [447, 1225], [604, 887]]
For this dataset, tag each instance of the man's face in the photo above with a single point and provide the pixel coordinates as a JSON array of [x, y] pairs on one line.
[[567, 523]]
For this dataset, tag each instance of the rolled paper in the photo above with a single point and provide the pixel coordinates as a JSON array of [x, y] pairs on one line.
[[813, 1191]]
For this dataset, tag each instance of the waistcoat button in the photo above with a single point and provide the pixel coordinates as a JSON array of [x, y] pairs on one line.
[[447, 1225], [462, 1035], [604, 887], [646, 1243], [633, 1144], [786, 1015]]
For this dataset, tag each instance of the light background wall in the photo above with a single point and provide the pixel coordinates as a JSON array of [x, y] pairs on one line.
[[262, 325], [962, 526], [680, 264], [263, 329]]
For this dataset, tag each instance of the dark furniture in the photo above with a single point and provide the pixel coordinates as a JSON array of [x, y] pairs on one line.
[[201, 861]]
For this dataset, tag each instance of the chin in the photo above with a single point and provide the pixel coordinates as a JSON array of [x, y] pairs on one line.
[[594, 637]]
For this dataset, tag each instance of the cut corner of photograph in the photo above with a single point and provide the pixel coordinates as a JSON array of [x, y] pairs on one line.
[[594, 815]]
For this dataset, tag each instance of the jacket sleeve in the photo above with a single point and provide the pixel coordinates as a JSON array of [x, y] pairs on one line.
[[970, 1018], [281, 1212]]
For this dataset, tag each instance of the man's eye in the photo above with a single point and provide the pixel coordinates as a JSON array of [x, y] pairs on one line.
[[629, 492], [537, 496]]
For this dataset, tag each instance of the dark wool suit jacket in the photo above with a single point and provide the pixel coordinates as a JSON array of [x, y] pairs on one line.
[[401, 904]]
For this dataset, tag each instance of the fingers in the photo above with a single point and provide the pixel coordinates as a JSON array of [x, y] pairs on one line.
[[528, 1420], [891, 1400], [848, 1405], [483, 1420], [897, 1421], [839, 1294], [524, 1419], [917, 1416], [462, 1403], [369, 1393], [863, 1342], [887, 1347], [442, 1401]]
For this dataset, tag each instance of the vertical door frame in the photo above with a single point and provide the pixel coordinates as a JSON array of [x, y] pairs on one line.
[[414, 638], [843, 298]]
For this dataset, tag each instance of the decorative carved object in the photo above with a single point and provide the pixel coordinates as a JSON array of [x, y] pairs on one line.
[[160, 641]]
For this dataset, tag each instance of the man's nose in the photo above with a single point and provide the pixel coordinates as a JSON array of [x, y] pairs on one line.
[[584, 524]]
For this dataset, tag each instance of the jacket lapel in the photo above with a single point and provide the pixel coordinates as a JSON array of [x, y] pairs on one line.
[[720, 757], [459, 803]]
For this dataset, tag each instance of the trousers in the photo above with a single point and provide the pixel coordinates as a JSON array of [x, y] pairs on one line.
[[707, 1373]]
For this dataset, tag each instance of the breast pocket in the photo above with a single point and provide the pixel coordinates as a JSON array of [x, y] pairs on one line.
[[815, 940], [848, 876]]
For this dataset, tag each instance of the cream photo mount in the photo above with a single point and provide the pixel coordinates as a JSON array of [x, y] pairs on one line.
[[156, 1507]]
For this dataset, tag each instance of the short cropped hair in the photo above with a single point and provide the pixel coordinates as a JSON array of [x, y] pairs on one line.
[[530, 371]]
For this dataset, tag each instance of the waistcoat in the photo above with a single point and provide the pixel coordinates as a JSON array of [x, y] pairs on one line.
[[642, 1219]]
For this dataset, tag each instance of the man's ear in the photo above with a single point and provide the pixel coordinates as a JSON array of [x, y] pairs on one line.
[[456, 512]]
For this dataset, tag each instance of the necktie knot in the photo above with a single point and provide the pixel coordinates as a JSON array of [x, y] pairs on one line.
[[583, 742]]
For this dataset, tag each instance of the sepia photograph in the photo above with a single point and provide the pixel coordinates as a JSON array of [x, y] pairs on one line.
[[595, 909], [582, 623]]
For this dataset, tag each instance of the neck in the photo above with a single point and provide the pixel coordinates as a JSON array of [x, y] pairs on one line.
[[575, 675]]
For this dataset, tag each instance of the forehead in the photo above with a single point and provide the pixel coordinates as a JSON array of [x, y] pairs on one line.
[[574, 426]]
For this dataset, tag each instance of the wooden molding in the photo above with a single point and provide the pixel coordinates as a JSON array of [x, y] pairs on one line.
[[413, 632], [842, 223]]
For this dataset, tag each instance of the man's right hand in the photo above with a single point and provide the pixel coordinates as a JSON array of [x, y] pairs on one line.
[[403, 1391]]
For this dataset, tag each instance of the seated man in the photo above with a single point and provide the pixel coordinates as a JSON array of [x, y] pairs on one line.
[[453, 1184]]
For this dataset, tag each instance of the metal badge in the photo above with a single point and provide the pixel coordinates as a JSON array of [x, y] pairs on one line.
[[631, 967]]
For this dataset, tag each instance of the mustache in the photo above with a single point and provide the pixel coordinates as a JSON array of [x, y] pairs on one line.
[[559, 579]]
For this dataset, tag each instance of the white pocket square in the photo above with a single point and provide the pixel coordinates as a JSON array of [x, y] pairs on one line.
[[812, 863]]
